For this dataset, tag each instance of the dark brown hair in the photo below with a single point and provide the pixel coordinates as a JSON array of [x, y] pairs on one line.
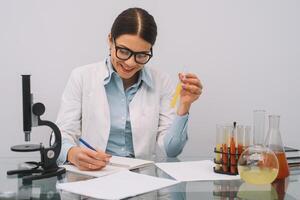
[[135, 21]]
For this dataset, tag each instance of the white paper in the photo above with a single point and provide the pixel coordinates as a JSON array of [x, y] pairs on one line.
[[129, 163], [194, 171], [103, 172], [119, 185]]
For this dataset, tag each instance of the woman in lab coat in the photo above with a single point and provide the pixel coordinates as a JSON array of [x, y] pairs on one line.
[[122, 107]]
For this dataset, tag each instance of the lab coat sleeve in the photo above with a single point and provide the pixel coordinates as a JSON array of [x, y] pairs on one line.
[[176, 138], [166, 113], [69, 116]]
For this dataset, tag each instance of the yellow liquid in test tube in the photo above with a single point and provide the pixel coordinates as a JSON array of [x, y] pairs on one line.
[[258, 175], [176, 95], [218, 155]]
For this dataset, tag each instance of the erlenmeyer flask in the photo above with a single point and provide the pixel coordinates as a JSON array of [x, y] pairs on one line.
[[274, 142]]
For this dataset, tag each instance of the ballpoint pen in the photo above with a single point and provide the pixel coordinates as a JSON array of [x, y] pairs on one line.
[[86, 144], [89, 146]]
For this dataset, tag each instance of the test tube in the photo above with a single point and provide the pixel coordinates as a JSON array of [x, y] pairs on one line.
[[176, 95], [219, 141], [177, 90], [225, 145], [240, 139], [233, 162]]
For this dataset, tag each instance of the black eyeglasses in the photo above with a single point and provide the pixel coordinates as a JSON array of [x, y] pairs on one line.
[[124, 53]]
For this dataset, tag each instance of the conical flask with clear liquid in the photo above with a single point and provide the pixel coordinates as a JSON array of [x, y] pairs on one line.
[[273, 141]]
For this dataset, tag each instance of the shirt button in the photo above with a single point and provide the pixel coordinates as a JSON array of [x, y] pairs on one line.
[[123, 149]]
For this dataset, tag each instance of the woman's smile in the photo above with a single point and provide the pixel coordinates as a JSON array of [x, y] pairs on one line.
[[126, 69]]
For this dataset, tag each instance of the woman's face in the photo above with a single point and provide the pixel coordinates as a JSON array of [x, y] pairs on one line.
[[127, 69]]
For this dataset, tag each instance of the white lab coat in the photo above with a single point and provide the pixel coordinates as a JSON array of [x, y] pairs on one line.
[[84, 110]]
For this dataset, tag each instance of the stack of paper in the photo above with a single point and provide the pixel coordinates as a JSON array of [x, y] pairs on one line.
[[129, 163], [96, 173], [119, 185], [194, 171], [116, 164]]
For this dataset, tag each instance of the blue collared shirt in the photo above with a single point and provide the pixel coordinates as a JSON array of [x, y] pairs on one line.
[[120, 137]]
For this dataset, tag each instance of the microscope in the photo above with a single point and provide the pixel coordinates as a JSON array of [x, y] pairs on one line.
[[32, 112]]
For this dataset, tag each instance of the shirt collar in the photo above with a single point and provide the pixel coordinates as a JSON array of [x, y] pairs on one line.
[[145, 74]]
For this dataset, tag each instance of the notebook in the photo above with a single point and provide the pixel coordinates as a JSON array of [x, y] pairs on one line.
[[96, 173], [116, 164], [129, 163]]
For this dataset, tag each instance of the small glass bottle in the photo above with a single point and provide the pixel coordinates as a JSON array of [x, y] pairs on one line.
[[274, 142]]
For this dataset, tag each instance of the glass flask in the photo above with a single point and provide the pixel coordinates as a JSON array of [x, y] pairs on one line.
[[258, 164], [274, 142]]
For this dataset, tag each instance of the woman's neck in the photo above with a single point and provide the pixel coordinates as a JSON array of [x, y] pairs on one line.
[[129, 82]]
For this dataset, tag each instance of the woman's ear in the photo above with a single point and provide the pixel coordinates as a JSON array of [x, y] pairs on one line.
[[110, 43], [110, 40]]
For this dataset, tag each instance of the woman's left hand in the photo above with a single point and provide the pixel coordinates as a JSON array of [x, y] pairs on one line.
[[191, 91]]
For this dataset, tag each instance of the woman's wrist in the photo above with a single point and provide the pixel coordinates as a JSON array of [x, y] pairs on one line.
[[70, 154], [183, 109]]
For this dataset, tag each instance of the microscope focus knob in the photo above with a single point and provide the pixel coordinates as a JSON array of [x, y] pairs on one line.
[[38, 109]]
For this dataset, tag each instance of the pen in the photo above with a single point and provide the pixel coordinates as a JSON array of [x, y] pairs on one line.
[[86, 144], [89, 146]]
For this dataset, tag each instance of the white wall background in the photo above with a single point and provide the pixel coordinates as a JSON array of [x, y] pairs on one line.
[[245, 52]]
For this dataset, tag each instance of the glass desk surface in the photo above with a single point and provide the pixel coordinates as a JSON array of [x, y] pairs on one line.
[[12, 187]]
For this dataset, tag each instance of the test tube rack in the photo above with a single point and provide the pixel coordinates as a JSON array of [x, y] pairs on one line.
[[227, 164]]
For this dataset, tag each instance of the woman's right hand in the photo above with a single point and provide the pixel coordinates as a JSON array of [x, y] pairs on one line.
[[87, 159]]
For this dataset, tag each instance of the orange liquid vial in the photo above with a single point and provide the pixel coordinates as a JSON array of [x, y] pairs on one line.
[[224, 157], [283, 165], [232, 156]]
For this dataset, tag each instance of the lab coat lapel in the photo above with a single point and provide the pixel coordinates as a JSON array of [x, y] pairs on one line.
[[98, 125]]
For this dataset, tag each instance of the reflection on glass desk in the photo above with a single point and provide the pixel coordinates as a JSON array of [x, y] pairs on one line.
[[12, 187]]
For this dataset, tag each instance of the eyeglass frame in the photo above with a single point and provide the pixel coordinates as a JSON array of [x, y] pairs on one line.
[[132, 53]]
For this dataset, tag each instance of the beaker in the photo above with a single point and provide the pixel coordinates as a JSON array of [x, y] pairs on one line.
[[274, 142]]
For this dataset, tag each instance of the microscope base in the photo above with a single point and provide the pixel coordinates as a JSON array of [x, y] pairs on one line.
[[36, 173]]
